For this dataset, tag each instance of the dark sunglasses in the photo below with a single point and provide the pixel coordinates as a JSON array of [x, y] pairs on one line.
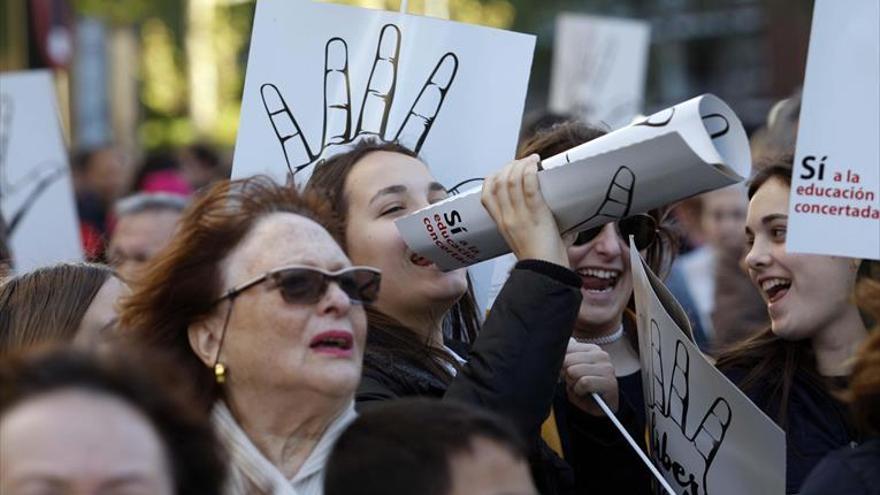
[[642, 227], [306, 284]]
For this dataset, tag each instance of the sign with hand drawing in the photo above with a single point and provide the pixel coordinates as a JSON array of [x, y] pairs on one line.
[[37, 209], [322, 76], [599, 68], [706, 437]]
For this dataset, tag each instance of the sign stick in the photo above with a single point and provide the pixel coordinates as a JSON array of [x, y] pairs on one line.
[[632, 443], [404, 6]]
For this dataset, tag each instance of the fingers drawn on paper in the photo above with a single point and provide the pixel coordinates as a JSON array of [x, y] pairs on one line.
[[376, 103], [618, 199], [669, 403], [30, 185]]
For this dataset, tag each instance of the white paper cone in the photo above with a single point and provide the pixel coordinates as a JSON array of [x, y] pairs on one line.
[[685, 150]]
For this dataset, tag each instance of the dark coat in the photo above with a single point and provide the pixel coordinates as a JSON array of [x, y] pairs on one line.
[[815, 425], [850, 471], [512, 367]]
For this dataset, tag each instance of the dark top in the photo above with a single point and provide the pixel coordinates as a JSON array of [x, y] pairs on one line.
[[848, 471], [816, 424], [512, 367], [602, 459]]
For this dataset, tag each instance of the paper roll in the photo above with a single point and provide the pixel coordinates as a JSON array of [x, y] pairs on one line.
[[682, 151]]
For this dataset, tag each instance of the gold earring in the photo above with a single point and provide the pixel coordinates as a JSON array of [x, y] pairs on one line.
[[220, 373]]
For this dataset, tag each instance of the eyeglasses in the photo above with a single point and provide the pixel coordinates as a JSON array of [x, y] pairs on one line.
[[306, 284], [642, 227]]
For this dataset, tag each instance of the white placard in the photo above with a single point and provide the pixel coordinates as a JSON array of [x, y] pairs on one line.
[[599, 68], [36, 194], [706, 436], [453, 92], [835, 195], [687, 149]]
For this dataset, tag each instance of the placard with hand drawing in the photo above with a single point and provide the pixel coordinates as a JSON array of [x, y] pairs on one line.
[[706, 437]]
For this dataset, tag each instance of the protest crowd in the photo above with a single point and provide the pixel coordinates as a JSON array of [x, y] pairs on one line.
[[229, 334]]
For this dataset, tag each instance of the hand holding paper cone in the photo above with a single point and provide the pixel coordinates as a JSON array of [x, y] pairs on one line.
[[688, 149], [513, 199]]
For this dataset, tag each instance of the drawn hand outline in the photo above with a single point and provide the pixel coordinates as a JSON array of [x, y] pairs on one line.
[[34, 182], [709, 434], [375, 107]]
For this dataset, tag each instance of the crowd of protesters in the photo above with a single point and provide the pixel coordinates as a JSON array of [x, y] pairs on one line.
[[244, 337]]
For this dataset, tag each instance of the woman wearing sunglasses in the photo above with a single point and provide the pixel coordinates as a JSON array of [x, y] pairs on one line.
[[423, 338], [257, 301], [603, 355]]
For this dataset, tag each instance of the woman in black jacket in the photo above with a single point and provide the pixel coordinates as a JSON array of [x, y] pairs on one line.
[[424, 320], [603, 357], [792, 369]]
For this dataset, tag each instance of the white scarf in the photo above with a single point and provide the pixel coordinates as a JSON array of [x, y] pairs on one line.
[[249, 467]]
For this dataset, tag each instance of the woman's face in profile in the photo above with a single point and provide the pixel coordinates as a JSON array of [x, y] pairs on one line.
[[275, 345], [804, 293], [97, 322], [382, 187], [83, 442]]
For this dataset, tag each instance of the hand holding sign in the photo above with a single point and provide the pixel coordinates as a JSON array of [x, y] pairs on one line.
[[587, 370], [669, 415], [375, 107]]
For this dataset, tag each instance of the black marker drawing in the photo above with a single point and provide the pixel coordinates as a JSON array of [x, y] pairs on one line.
[[33, 184], [375, 106], [460, 186], [618, 198], [714, 119], [660, 120], [672, 401]]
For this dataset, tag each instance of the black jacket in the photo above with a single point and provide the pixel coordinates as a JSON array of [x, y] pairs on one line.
[[602, 460], [512, 367], [815, 425], [850, 471]]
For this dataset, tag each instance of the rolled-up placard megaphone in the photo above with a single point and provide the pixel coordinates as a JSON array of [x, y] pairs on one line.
[[693, 147]]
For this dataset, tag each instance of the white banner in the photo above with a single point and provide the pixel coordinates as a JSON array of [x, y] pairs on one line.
[[36, 194], [688, 149], [599, 68], [706, 436], [835, 193]]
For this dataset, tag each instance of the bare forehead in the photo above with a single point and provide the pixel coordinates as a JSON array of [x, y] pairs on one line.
[[380, 169], [281, 239], [770, 199]]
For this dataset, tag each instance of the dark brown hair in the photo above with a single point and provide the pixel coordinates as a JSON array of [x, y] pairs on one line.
[[183, 281], [416, 440], [47, 304], [192, 451], [387, 335]]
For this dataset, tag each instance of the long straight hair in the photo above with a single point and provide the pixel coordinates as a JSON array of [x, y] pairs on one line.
[[387, 336]]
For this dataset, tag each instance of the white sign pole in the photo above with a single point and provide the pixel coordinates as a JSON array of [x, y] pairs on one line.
[[632, 443]]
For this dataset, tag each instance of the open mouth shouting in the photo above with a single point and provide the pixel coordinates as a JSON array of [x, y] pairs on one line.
[[336, 343], [774, 288], [598, 281]]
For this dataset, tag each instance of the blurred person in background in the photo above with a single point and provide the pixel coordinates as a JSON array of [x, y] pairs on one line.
[[793, 369], [67, 302], [254, 298], [428, 447], [201, 166], [160, 172], [145, 223], [100, 177], [722, 216], [779, 135], [75, 422]]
